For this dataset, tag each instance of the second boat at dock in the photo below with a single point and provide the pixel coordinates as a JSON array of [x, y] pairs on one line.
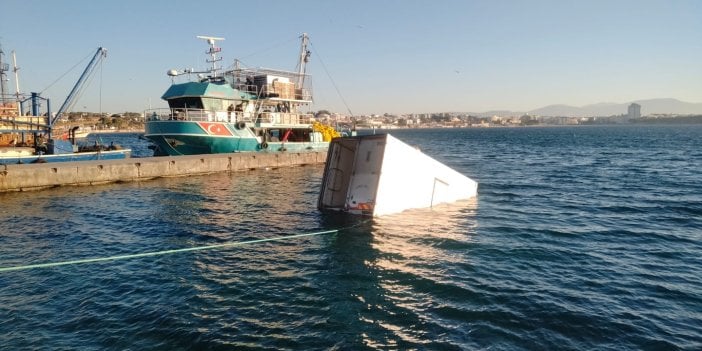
[[28, 129], [239, 110]]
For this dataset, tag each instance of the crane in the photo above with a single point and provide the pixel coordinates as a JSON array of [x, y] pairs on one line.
[[100, 54]]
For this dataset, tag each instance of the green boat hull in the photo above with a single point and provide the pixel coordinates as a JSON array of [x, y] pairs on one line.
[[175, 138]]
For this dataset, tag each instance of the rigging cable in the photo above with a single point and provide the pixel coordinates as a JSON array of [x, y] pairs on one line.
[[63, 75], [332, 81], [88, 80], [260, 51]]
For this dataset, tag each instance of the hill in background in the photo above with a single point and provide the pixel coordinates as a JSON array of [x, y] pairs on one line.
[[648, 107]]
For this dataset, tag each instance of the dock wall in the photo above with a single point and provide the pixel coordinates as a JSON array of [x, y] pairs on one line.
[[46, 175]]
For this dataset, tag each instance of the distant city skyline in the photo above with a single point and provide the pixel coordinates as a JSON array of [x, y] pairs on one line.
[[382, 57]]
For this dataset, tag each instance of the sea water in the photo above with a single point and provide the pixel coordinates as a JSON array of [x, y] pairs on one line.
[[580, 238]]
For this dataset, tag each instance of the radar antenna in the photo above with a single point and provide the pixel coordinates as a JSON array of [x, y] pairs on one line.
[[213, 51]]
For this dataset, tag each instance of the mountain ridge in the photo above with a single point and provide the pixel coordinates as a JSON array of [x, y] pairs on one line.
[[605, 109], [648, 107]]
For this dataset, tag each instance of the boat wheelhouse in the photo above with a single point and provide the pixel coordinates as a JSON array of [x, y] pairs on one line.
[[239, 110]]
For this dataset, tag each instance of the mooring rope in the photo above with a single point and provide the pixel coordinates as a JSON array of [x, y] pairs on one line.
[[164, 252]]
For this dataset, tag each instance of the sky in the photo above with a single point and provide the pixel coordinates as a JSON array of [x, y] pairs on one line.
[[368, 57]]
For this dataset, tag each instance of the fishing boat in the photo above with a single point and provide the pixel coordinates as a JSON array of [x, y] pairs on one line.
[[237, 110], [28, 132], [28, 138]]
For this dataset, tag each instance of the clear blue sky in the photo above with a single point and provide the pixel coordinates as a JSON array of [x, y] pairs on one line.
[[384, 56]]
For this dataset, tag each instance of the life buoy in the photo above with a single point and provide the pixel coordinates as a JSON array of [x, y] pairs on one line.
[[240, 125], [264, 145]]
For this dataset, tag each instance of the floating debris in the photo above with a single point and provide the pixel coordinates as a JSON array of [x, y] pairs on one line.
[[377, 175]]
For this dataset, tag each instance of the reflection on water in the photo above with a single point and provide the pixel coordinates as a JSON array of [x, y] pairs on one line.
[[425, 234], [383, 270]]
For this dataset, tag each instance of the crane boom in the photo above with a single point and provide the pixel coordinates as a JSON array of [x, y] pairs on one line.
[[100, 54]]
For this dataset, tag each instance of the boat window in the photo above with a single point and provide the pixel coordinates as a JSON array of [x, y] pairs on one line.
[[185, 102], [215, 104]]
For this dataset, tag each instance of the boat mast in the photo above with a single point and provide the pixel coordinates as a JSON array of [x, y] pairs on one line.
[[304, 58], [213, 51], [4, 67], [16, 69], [17, 90]]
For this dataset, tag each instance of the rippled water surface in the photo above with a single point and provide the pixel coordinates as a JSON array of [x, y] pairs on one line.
[[580, 238]]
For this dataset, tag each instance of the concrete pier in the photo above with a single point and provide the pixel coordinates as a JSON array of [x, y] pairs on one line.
[[46, 175]]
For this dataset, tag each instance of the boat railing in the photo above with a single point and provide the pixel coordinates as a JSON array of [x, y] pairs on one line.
[[249, 88], [200, 115], [283, 118], [277, 90], [17, 123], [192, 114], [271, 83], [284, 92]]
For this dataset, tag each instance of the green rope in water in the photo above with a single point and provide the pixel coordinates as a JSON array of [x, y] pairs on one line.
[[158, 253]]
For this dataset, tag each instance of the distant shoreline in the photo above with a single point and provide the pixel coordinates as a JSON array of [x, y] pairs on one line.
[[116, 131], [692, 120]]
